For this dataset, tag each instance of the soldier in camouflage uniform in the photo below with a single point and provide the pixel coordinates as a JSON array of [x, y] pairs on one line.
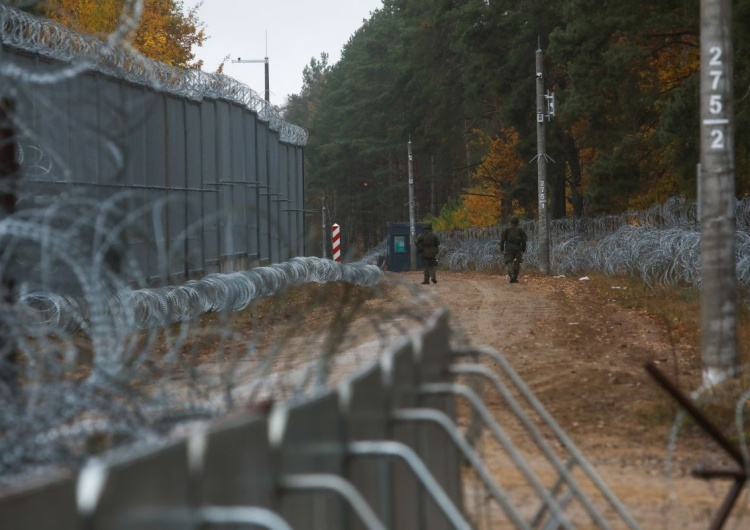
[[513, 242], [427, 246]]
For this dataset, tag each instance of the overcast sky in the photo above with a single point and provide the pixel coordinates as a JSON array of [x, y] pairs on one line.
[[296, 31]]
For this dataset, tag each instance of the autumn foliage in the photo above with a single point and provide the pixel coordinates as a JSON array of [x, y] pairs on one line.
[[165, 32], [488, 199]]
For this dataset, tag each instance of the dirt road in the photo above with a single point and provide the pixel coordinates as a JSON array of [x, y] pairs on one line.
[[583, 357]]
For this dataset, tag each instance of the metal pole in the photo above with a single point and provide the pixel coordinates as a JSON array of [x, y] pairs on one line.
[[717, 206], [541, 160], [418, 467], [336, 241], [335, 484], [265, 60], [563, 438], [325, 234], [268, 87], [412, 221]]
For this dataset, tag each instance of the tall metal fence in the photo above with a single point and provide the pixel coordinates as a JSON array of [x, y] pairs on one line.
[[193, 171], [382, 450]]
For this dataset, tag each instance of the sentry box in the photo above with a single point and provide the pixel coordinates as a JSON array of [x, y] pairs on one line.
[[399, 241]]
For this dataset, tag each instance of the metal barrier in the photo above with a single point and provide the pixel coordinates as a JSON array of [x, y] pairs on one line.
[[171, 173], [382, 450]]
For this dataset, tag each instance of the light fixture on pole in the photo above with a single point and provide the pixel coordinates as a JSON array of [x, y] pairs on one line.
[[265, 60]]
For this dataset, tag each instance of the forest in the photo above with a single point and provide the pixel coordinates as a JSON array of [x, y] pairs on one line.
[[457, 79]]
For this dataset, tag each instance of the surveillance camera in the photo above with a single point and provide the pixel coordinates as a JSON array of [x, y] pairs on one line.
[[539, 74]]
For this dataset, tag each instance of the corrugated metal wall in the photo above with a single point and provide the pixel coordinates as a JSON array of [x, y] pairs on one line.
[[210, 187]]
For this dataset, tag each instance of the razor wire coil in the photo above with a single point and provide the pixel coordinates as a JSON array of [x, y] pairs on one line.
[[660, 245]]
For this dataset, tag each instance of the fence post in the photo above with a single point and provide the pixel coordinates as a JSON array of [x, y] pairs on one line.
[[336, 239]]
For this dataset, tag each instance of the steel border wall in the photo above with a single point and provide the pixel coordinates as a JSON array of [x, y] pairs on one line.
[[218, 162]]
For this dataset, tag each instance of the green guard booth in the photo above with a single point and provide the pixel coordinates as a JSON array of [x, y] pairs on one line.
[[399, 241]]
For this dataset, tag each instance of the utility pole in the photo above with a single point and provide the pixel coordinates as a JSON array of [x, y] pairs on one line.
[[717, 194], [325, 234], [541, 160], [412, 221]]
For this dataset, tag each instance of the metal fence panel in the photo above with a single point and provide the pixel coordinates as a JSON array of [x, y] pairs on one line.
[[224, 168], [283, 202], [239, 185], [264, 197], [252, 191], [366, 419], [176, 181], [138, 101], [46, 152], [141, 491], [236, 468], [84, 134], [111, 125], [299, 183], [210, 179], [195, 252], [97, 135], [274, 189], [408, 510], [294, 207], [49, 505], [436, 448], [156, 179], [313, 443]]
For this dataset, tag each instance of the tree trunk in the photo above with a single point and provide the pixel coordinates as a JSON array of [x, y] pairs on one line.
[[506, 203], [571, 155], [557, 193]]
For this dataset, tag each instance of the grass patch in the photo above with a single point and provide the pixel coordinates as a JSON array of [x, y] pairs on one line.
[[677, 309]]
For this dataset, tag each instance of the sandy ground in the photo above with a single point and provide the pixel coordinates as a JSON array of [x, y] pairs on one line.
[[584, 357]]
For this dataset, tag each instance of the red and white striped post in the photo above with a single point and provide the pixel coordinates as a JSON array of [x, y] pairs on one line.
[[336, 237]]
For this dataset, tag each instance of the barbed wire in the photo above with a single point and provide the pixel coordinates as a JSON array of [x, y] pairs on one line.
[[104, 363], [163, 306], [93, 355], [660, 245], [104, 369], [78, 53]]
